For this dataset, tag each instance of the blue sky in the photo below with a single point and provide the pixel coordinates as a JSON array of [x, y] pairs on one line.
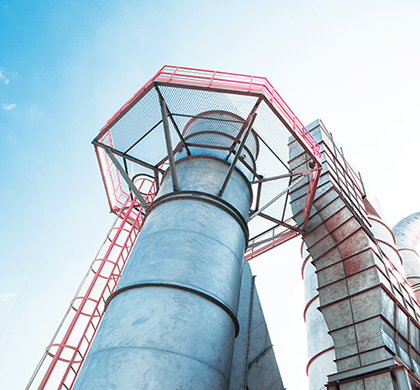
[[67, 66]]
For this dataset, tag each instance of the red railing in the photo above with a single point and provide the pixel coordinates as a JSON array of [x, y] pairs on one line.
[[269, 240], [241, 83], [74, 336], [309, 200], [110, 175], [231, 82], [212, 80]]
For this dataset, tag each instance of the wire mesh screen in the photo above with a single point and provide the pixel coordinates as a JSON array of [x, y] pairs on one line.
[[199, 117]]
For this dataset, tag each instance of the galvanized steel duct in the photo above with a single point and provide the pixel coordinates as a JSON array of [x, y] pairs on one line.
[[320, 345], [171, 323], [407, 239], [405, 260], [386, 241]]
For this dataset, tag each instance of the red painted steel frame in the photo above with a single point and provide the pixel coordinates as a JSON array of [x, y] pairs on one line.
[[231, 82], [253, 252], [313, 183]]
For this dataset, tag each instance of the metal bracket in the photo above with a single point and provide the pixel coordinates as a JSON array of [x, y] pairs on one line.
[[128, 157], [127, 179]]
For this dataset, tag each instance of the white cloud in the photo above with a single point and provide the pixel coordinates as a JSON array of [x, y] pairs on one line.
[[3, 77], [4, 297], [9, 107]]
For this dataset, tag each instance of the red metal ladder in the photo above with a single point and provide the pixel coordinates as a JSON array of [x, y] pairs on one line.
[[63, 358]]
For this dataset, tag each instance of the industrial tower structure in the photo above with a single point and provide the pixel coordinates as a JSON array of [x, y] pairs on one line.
[[361, 284], [199, 168]]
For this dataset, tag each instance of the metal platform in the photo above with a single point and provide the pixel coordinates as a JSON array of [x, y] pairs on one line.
[[135, 135]]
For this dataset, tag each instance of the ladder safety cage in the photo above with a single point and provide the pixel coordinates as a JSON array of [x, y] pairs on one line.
[[63, 358]]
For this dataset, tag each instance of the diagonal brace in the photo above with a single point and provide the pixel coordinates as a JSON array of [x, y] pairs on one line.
[[127, 179], [279, 195], [169, 149], [238, 153], [305, 172]]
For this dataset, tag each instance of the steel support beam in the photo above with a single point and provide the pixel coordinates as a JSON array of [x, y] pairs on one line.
[[127, 179], [175, 184], [268, 204], [243, 128], [238, 153], [305, 172], [128, 157]]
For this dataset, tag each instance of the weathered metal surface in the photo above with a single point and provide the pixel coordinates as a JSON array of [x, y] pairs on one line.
[[171, 322], [407, 240], [366, 302], [320, 345], [201, 126], [254, 364]]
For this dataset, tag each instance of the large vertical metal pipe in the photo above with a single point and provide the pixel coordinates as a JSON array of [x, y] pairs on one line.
[[171, 323], [321, 353], [407, 240]]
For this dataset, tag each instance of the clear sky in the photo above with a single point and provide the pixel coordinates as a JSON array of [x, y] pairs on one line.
[[67, 66]]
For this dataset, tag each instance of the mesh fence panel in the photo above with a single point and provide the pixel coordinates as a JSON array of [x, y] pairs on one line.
[[193, 102], [137, 121], [215, 118]]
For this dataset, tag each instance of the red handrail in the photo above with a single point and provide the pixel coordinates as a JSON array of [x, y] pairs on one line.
[[88, 308]]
